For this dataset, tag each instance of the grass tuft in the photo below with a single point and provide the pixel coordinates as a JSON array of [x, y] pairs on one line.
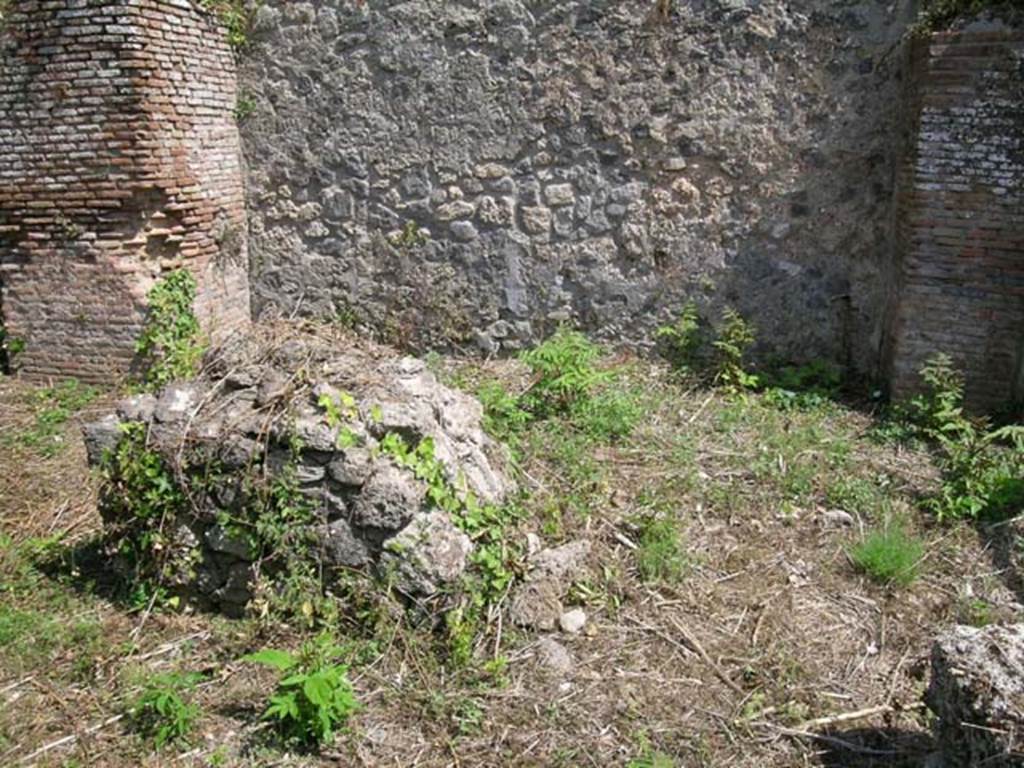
[[889, 555]]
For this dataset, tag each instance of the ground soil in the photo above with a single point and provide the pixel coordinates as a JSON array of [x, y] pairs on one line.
[[769, 628]]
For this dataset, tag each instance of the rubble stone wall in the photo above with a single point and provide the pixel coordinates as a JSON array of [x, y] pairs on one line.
[[119, 160], [593, 162]]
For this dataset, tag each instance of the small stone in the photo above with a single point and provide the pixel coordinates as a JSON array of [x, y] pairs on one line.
[[174, 403], [685, 191], [341, 547], [490, 171], [572, 621], [101, 438], [457, 209], [220, 540], [559, 194], [137, 408], [429, 553], [463, 231], [977, 694], [836, 517], [537, 220], [675, 164], [352, 466], [389, 499], [272, 387], [554, 656]]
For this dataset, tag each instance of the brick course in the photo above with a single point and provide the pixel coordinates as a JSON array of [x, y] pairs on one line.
[[960, 217], [119, 160]]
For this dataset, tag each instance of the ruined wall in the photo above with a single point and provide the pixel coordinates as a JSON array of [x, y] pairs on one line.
[[590, 162], [960, 265], [119, 160]]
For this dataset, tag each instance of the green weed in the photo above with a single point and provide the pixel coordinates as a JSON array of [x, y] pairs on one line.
[[314, 697], [660, 554], [564, 373], [162, 711], [735, 337], [236, 18], [54, 406], [679, 341]]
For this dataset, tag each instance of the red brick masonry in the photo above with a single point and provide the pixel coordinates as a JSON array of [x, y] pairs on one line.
[[119, 160], [961, 217]]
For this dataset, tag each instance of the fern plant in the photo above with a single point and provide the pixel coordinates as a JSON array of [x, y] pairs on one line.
[[314, 697]]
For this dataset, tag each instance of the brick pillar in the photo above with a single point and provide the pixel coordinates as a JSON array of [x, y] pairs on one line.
[[960, 225], [119, 161]]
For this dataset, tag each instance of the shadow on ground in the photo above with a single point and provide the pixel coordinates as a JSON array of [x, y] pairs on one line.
[[875, 748]]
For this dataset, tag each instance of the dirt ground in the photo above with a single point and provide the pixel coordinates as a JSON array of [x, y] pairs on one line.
[[767, 648]]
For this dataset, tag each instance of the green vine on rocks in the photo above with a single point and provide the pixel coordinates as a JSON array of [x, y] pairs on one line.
[[171, 344], [141, 496]]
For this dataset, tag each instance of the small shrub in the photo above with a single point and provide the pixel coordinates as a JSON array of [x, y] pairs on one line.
[[171, 344], [660, 555], [680, 340], [564, 373], [161, 711], [10, 346], [314, 697], [889, 555], [735, 337], [982, 468]]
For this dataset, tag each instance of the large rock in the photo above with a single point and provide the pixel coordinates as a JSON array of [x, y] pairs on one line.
[[977, 694], [294, 423]]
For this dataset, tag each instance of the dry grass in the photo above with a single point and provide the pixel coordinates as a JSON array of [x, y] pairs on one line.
[[769, 628]]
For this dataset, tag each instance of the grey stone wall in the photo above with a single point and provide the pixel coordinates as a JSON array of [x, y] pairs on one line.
[[594, 162]]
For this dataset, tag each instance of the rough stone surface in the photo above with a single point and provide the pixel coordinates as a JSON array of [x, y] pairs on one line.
[[537, 601], [977, 694], [582, 161], [119, 160], [223, 426]]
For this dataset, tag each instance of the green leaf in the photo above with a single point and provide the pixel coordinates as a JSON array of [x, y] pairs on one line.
[[271, 657], [317, 690]]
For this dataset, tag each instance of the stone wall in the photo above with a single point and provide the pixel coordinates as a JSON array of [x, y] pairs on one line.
[[592, 162], [960, 271], [119, 160]]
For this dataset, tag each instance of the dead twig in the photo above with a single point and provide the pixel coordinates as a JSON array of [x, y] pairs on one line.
[[692, 642]]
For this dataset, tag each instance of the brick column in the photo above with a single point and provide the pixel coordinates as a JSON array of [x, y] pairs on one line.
[[119, 161], [960, 224]]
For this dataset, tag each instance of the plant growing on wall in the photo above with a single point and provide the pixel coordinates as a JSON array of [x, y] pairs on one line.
[[171, 344], [234, 15]]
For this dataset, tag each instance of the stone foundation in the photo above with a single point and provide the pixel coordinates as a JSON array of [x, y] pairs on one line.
[[291, 432]]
